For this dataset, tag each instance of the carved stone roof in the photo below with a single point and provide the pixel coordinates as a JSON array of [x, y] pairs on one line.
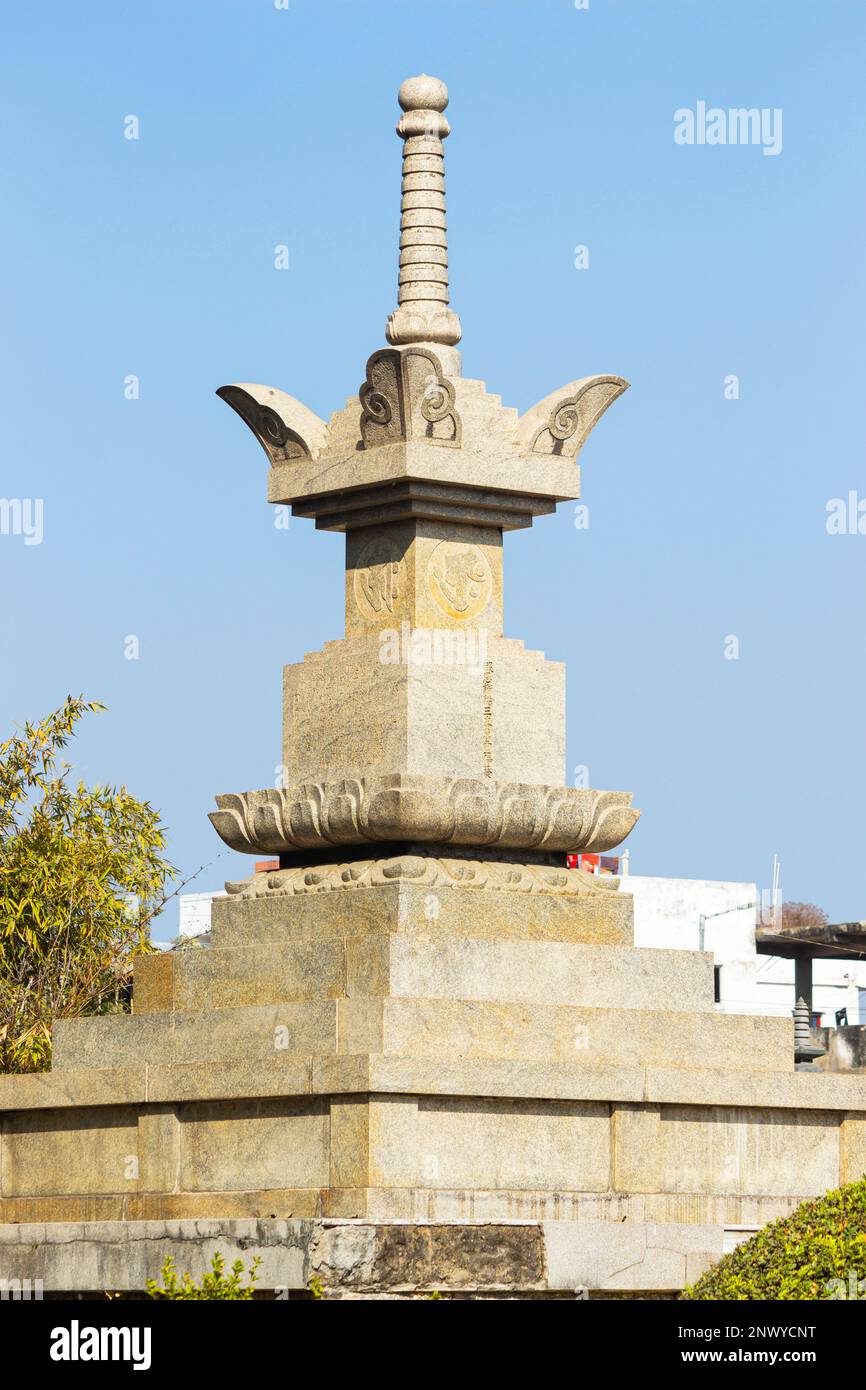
[[419, 439]]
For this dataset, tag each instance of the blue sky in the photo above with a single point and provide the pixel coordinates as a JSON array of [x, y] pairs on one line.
[[708, 516]]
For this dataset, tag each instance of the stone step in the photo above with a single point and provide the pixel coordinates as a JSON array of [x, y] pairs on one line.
[[226, 1035], [596, 916], [308, 968], [432, 1029], [435, 1028]]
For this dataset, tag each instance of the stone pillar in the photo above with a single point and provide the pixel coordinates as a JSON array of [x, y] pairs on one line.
[[803, 979]]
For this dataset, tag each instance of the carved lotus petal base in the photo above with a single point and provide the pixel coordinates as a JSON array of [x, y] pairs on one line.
[[431, 810], [422, 871]]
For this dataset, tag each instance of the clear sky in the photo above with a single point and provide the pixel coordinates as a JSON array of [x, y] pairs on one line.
[[708, 516]]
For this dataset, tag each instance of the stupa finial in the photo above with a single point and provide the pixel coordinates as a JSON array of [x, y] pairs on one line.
[[423, 315]]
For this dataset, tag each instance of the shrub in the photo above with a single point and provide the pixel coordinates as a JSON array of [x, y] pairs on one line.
[[214, 1285], [818, 1252]]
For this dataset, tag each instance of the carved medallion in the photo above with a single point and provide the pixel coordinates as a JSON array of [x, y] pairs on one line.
[[459, 579], [378, 577]]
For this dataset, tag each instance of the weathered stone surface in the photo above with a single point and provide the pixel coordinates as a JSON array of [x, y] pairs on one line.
[[474, 905], [409, 965], [500, 1078], [154, 983], [425, 702], [429, 1028], [227, 1035], [170, 1206], [349, 1143], [434, 1028], [296, 1074], [351, 1257], [304, 971], [719, 1150], [639, 1255], [446, 1142], [254, 1144], [95, 1256], [93, 1086], [427, 1256], [544, 1204], [160, 1151], [92, 1151], [547, 972], [407, 1204], [280, 1075], [794, 1090], [852, 1157]]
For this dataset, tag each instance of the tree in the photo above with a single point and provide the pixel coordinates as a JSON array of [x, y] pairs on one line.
[[797, 916], [818, 1252], [81, 878]]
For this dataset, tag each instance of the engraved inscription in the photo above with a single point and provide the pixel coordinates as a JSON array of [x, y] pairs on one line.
[[488, 719]]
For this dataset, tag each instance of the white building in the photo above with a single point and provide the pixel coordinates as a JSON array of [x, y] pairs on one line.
[[194, 912], [693, 914]]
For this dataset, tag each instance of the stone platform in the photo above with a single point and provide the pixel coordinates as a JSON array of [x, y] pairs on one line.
[[358, 1080]]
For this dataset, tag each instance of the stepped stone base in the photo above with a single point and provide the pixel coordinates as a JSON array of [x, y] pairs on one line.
[[440, 908], [358, 1259], [473, 1090]]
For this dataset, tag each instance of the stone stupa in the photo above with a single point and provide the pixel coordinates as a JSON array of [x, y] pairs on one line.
[[421, 1053], [425, 750]]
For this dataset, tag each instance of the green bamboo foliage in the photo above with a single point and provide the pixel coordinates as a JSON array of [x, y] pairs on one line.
[[81, 878]]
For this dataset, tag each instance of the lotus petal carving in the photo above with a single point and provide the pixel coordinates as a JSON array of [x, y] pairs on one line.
[[426, 871], [426, 810]]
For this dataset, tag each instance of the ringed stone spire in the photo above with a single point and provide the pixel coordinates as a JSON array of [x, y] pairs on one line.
[[423, 315]]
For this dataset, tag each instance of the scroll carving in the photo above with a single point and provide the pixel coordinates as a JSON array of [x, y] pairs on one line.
[[406, 397]]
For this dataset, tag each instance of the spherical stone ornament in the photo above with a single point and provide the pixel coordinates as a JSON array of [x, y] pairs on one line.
[[423, 94]]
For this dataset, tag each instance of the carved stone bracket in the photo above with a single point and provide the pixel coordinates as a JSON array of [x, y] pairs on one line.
[[561, 422], [406, 396], [285, 427]]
